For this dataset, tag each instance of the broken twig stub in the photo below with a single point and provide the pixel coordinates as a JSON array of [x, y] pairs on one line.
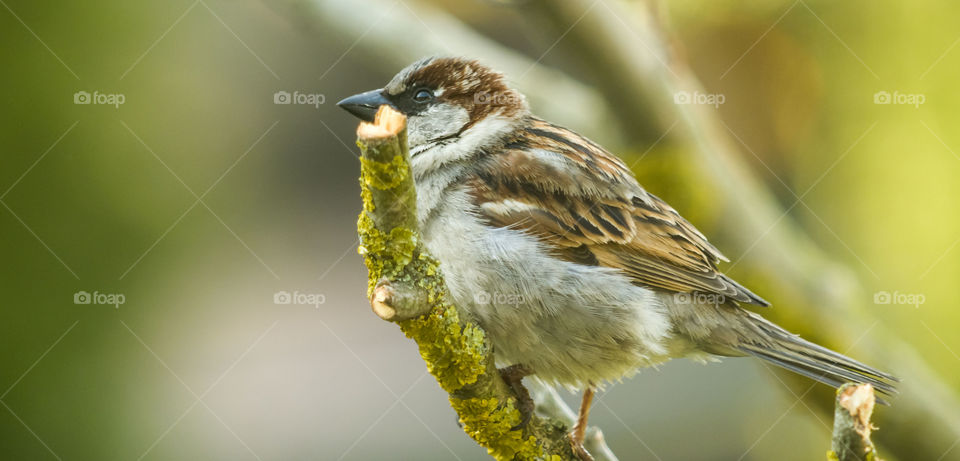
[[851, 424]]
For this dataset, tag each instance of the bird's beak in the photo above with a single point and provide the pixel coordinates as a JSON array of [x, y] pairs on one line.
[[364, 105]]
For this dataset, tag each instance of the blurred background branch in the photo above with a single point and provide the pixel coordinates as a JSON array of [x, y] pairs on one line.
[[387, 40]]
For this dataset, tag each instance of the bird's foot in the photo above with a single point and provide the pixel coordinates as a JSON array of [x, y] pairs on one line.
[[579, 432], [576, 443], [513, 376], [577, 446]]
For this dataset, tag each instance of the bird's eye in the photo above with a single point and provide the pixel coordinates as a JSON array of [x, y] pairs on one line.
[[423, 95]]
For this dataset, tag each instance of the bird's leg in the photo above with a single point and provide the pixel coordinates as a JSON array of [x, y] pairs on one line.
[[580, 429], [513, 375]]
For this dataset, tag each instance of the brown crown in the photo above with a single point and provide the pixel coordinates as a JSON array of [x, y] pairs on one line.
[[474, 86]]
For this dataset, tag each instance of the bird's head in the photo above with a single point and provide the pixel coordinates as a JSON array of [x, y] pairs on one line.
[[442, 99]]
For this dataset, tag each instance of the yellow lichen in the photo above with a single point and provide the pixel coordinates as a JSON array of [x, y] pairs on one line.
[[386, 255], [384, 175], [367, 196], [490, 424], [832, 456], [454, 355]]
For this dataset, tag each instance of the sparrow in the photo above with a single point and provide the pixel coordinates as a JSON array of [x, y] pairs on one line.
[[578, 275]]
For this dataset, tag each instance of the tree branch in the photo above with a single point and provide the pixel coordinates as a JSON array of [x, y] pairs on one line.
[[406, 287], [851, 424]]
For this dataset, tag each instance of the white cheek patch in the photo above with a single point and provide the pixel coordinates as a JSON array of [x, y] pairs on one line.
[[430, 157], [438, 121]]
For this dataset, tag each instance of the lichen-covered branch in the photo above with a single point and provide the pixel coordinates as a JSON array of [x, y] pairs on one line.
[[406, 287], [851, 424]]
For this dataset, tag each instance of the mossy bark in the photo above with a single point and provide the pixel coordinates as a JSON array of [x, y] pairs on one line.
[[455, 349]]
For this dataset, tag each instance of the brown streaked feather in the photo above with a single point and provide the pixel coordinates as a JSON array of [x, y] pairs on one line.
[[586, 205]]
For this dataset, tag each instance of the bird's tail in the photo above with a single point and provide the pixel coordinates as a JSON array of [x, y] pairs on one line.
[[789, 351]]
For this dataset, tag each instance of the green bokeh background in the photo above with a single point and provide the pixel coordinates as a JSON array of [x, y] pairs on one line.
[[97, 198]]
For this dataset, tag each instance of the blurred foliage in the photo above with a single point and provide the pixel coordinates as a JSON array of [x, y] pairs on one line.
[[882, 179]]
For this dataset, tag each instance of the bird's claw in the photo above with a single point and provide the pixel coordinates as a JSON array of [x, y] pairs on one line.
[[526, 407], [578, 449], [513, 376]]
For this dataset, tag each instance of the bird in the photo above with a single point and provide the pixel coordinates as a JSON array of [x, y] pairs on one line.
[[579, 276]]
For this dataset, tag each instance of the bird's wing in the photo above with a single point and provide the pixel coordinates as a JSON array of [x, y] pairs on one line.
[[587, 207]]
